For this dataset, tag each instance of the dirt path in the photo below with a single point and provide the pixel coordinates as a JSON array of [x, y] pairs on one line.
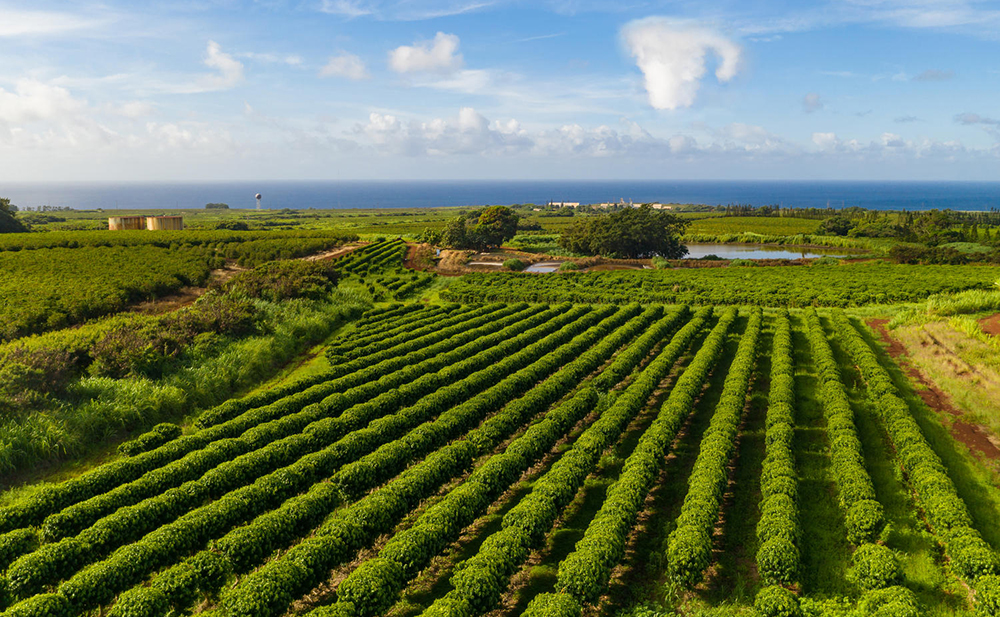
[[335, 253], [972, 435], [991, 325]]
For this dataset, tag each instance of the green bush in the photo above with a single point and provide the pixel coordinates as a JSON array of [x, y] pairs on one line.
[[515, 265], [778, 560], [988, 595], [569, 266], [660, 263], [776, 601], [141, 602], [890, 602], [875, 567], [865, 521], [553, 605]]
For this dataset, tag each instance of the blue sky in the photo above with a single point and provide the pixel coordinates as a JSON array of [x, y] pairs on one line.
[[452, 89]]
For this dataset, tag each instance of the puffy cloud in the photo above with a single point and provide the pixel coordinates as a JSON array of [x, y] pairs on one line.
[[345, 65], [825, 141], [891, 140], [440, 55], [672, 58], [15, 22], [812, 102], [230, 70], [935, 75], [33, 101]]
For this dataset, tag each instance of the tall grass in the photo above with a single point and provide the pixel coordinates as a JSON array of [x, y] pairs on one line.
[[100, 409], [965, 302]]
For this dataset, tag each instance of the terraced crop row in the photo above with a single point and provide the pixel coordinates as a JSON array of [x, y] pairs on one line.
[[338, 494]]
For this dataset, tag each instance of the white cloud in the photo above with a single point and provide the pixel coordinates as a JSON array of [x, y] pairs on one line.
[[348, 8], [345, 65], [935, 75], [230, 70], [672, 57], [812, 102], [468, 81], [825, 141], [134, 109], [439, 55], [33, 101], [891, 140], [289, 59], [14, 22]]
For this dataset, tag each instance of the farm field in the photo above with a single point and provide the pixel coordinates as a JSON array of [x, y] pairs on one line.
[[538, 459], [814, 285]]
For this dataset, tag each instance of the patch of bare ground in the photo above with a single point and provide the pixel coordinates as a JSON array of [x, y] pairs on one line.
[[991, 325], [419, 257], [333, 254], [979, 441]]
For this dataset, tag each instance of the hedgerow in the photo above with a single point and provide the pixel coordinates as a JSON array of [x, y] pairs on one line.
[[689, 546]]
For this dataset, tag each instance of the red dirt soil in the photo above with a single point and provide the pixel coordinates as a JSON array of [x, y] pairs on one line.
[[991, 325], [972, 435]]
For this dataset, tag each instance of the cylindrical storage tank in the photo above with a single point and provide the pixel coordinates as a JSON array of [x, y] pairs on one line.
[[154, 223]]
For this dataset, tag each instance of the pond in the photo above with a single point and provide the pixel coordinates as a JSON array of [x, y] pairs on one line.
[[545, 266], [761, 251]]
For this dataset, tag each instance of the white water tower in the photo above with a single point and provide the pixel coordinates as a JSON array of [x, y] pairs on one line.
[[258, 201]]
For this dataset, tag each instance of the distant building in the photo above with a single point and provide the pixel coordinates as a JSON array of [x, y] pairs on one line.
[[152, 223], [565, 204]]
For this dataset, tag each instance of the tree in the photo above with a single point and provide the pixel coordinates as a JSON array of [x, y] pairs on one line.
[[496, 225], [631, 233], [455, 234], [8, 223], [492, 227], [216, 206], [836, 226]]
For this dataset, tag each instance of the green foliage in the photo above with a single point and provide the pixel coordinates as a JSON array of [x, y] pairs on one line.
[[8, 222], [689, 545], [493, 226], [776, 601], [629, 233], [515, 265], [836, 226], [988, 595], [159, 435], [281, 280], [569, 266], [842, 285], [875, 567], [553, 605], [865, 521], [660, 263], [890, 602], [216, 206]]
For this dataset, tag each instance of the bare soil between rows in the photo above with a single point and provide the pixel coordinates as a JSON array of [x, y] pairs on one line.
[[972, 435]]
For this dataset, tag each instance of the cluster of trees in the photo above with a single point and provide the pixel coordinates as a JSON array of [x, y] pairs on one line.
[[933, 227], [479, 229], [8, 223], [216, 206], [633, 233]]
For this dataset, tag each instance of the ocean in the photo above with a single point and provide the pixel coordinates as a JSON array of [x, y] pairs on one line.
[[421, 194]]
